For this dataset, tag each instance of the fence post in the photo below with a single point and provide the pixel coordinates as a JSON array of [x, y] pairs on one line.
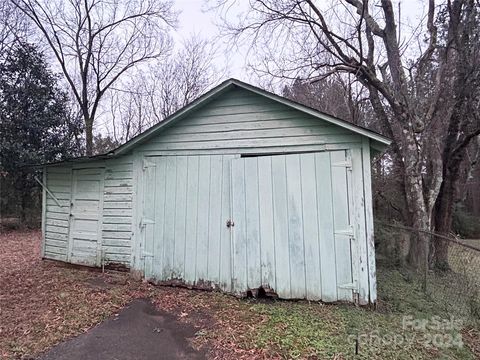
[[425, 262]]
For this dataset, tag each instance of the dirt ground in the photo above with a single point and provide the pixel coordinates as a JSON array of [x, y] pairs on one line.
[[51, 310], [43, 303], [138, 331]]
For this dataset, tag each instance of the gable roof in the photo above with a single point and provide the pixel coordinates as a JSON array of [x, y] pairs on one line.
[[380, 142]]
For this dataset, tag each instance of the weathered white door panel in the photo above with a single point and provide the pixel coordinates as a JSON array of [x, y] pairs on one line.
[[239, 247], [313, 282], [343, 229], [266, 231], [85, 217], [187, 199], [147, 221], [324, 214], [293, 228]]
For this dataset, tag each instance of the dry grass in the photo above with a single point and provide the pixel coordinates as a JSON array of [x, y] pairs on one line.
[[45, 302]]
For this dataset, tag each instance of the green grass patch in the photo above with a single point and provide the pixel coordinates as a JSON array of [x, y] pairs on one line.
[[299, 330], [293, 330]]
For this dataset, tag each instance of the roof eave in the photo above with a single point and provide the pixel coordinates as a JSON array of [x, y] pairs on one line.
[[378, 146], [342, 123], [378, 143], [183, 112]]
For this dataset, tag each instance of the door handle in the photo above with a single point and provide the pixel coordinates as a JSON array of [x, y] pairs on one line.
[[230, 223]]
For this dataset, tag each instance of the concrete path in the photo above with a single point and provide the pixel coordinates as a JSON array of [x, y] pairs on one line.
[[138, 332]]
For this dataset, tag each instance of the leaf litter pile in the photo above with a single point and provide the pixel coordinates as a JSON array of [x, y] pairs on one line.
[[43, 303]]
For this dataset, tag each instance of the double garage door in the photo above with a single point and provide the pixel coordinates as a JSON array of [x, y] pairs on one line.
[[279, 222]]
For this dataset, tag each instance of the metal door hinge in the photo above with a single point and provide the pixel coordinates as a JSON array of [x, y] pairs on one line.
[[147, 163], [347, 164], [146, 255], [349, 286], [349, 232], [144, 222]]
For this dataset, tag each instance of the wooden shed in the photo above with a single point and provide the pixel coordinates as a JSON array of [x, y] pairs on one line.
[[240, 190]]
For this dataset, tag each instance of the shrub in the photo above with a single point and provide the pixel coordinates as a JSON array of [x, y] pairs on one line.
[[466, 224]]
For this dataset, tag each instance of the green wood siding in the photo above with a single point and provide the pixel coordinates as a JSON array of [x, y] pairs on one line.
[[241, 121], [116, 213], [185, 202], [56, 221], [294, 221], [289, 235], [302, 210]]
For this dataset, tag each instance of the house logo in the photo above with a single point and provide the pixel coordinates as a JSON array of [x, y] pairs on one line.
[[434, 332]]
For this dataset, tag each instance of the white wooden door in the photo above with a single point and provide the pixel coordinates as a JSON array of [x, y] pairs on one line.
[[293, 227], [86, 217], [185, 203]]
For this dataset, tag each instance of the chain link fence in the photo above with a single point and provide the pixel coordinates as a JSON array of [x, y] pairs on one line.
[[453, 289]]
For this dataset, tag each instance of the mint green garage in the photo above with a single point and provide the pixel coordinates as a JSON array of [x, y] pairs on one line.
[[240, 190]]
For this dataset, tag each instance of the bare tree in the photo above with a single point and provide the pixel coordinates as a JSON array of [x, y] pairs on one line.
[[96, 41], [424, 93], [172, 83], [186, 75], [13, 27], [130, 109], [338, 95]]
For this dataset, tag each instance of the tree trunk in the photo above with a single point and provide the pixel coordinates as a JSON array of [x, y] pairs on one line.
[[89, 136], [443, 219], [443, 210], [419, 215], [23, 199], [419, 219], [418, 211]]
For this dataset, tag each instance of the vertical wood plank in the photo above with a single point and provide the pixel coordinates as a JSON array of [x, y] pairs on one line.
[[369, 231], [148, 229], [100, 218], [159, 214], [239, 230], [202, 218], [134, 204], [71, 221], [252, 223], [136, 259], [169, 229], [310, 228], [225, 232], [359, 245], [180, 218], [326, 227], [215, 218], [44, 208], [267, 236], [341, 215], [191, 221], [282, 259], [356, 216], [295, 227], [85, 228]]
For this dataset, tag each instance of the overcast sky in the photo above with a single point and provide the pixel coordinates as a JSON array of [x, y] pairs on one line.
[[195, 18]]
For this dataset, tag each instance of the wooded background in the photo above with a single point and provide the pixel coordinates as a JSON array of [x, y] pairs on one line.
[[68, 67]]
